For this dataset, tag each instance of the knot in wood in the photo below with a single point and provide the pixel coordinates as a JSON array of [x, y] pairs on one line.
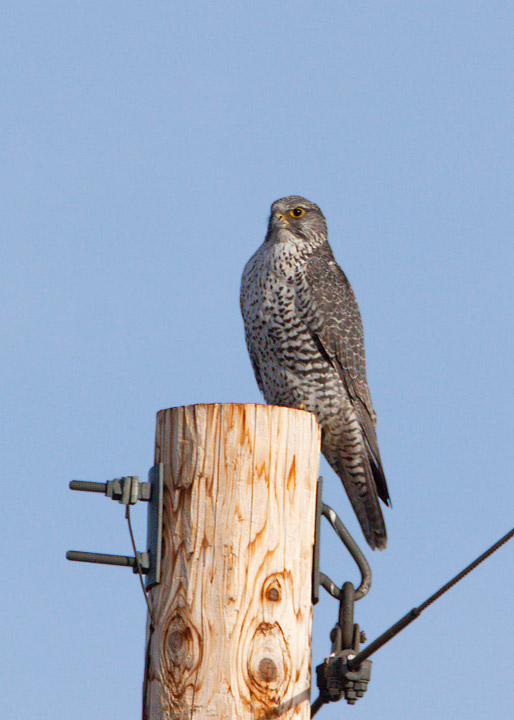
[[267, 669], [176, 641], [269, 663], [273, 593], [182, 651], [273, 587]]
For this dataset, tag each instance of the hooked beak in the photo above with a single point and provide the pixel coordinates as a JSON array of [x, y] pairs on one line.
[[279, 220]]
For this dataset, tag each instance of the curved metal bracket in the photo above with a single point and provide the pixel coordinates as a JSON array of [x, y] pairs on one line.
[[354, 551], [318, 577]]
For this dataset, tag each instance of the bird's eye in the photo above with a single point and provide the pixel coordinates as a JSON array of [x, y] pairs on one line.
[[297, 212]]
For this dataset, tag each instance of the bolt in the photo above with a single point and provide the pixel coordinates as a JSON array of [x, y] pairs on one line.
[[363, 636]]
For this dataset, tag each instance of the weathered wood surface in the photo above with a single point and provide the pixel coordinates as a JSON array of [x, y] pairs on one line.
[[233, 615]]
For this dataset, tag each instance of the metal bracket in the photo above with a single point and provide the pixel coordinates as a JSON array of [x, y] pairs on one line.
[[127, 491], [154, 525], [319, 578], [336, 676]]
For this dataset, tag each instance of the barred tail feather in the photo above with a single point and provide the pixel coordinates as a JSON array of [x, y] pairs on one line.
[[359, 483]]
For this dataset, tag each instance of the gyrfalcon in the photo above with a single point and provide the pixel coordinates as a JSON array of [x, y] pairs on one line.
[[304, 334]]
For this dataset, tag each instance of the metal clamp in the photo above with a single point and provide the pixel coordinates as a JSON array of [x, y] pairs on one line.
[[335, 679], [127, 491]]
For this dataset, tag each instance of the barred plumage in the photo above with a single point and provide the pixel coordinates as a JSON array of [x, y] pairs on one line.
[[305, 339]]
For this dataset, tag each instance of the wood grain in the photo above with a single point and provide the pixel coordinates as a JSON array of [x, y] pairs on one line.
[[232, 615]]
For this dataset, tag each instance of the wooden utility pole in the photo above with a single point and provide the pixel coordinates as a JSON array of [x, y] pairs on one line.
[[231, 629]]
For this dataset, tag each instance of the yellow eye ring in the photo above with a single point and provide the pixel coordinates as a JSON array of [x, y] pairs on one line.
[[297, 212]]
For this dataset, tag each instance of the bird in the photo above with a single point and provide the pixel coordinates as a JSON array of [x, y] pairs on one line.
[[304, 335]]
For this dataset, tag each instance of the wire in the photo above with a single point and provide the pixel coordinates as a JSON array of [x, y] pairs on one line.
[[416, 612], [138, 566], [467, 570]]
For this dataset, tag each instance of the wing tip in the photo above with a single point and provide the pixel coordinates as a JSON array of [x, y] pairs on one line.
[[380, 481]]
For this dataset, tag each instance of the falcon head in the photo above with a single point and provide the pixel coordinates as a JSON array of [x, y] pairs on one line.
[[299, 216]]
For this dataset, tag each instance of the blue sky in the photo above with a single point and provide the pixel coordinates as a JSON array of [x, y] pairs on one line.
[[142, 144]]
